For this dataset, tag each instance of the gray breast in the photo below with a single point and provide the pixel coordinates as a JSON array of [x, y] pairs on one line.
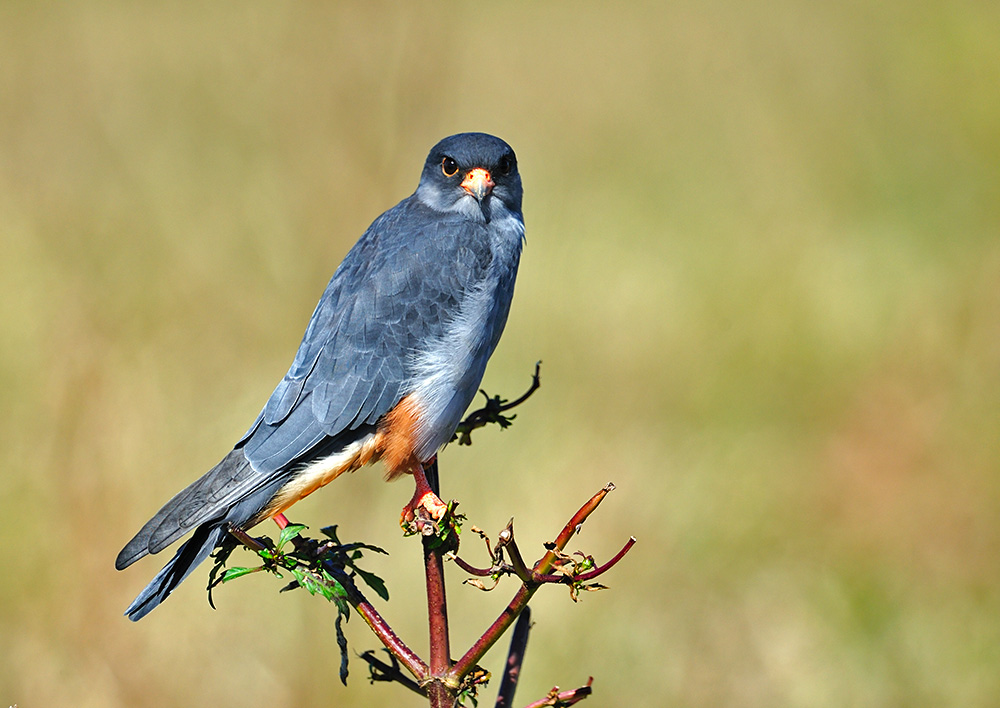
[[447, 371]]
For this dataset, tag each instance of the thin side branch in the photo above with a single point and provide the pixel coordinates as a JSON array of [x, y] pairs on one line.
[[493, 411], [591, 574], [473, 570], [600, 570], [558, 699], [527, 589]]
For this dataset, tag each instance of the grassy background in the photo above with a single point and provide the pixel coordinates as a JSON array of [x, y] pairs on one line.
[[762, 270]]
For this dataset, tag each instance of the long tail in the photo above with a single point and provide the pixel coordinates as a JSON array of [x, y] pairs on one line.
[[231, 494], [228, 494], [188, 557]]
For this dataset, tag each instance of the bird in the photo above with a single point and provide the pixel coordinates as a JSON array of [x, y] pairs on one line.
[[392, 357]]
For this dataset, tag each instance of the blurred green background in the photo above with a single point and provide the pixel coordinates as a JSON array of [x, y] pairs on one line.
[[762, 271]]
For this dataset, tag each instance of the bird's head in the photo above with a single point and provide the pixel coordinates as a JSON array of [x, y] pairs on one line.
[[474, 174]]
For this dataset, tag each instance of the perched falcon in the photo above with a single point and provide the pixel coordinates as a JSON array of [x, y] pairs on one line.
[[392, 357]]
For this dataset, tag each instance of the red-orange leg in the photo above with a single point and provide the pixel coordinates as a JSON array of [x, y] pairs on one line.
[[424, 499]]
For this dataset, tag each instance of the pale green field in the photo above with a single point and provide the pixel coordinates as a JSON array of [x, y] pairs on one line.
[[762, 271]]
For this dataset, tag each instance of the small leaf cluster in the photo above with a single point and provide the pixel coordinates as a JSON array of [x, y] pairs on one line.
[[570, 567], [315, 566]]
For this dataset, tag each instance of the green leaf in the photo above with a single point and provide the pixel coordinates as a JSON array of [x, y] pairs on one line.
[[290, 532], [339, 595], [350, 547], [233, 573], [331, 533], [342, 607], [307, 581], [375, 583]]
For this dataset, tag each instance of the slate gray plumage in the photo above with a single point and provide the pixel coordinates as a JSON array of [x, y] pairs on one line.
[[415, 309]]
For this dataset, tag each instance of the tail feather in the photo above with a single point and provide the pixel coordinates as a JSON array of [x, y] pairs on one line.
[[195, 550], [241, 512], [209, 496], [231, 494]]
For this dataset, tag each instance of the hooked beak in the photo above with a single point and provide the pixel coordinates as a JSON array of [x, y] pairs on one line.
[[478, 183]]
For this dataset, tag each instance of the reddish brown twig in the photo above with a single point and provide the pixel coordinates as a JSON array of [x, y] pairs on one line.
[[590, 574], [529, 586], [396, 646], [472, 570], [558, 699]]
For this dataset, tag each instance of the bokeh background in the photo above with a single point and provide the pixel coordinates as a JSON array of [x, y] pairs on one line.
[[762, 271]]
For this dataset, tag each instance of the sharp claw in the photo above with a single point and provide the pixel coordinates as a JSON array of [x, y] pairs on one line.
[[432, 504], [423, 512], [425, 509]]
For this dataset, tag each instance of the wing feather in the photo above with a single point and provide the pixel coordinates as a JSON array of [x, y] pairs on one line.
[[394, 290]]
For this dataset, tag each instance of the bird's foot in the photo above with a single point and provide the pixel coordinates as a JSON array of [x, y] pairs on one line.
[[425, 510]]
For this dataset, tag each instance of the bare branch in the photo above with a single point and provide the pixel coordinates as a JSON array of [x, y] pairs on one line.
[[610, 564], [473, 570], [558, 699], [527, 589]]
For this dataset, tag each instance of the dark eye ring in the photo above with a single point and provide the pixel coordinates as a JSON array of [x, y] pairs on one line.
[[449, 167], [504, 166]]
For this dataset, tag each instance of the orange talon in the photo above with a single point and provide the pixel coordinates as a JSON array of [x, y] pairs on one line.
[[428, 502], [425, 504]]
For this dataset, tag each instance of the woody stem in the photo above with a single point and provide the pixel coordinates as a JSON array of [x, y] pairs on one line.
[[440, 694]]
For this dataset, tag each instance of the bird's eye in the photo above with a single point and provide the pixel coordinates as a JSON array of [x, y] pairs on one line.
[[449, 167], [505, 165]]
